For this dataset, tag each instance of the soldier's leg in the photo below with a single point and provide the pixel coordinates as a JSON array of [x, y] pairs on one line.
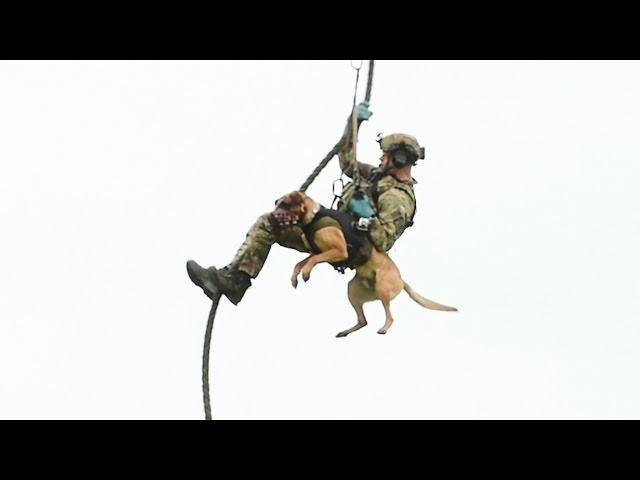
[[235, 278], [253, 252]]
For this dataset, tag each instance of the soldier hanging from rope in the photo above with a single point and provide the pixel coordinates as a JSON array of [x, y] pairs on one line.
[[382, 198]]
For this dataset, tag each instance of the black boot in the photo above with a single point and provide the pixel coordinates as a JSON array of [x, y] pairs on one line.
[[232, 284], [202, 277]]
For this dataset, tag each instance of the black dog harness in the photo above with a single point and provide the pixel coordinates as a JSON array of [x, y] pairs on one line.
[[358, 244]]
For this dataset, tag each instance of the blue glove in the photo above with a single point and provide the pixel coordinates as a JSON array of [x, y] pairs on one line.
[[361, 206], [363, 112]]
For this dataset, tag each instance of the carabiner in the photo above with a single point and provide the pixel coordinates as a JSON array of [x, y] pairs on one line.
[[333, 188]]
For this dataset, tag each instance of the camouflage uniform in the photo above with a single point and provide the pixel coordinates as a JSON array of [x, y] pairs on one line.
[[253, 252], [395, 209], [395, 205]]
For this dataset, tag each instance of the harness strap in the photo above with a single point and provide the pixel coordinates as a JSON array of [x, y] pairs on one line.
[[358, 244]]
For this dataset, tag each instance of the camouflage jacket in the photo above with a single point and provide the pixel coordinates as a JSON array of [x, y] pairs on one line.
[[395, 205]]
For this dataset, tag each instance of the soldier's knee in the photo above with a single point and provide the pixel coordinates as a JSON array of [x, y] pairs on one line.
[[264, 221], [264, 217], [382, 238], [382, 242], [384, 245]]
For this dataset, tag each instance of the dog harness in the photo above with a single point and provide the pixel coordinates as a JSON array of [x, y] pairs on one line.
[[358, 244]]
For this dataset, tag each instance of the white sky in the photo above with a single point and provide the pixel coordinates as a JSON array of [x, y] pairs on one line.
[[113, 174]]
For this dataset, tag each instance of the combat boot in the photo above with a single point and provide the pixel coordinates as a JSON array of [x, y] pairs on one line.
[[232, 284]]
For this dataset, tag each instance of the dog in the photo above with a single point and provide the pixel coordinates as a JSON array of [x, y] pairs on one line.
[[377, 279]]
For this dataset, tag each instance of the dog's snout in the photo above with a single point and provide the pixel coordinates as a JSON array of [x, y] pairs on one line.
[[284, 218]]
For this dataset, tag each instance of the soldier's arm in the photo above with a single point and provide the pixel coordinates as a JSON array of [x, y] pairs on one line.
[[395, 210], [347, 156]]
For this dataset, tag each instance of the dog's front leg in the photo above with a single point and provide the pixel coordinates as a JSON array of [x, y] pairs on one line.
[[332, 255], [296, 271], [333, 248]]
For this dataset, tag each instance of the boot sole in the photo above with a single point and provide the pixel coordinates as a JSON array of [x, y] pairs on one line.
[[194, 271]]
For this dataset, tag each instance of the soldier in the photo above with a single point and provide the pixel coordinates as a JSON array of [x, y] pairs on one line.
[[389, 188]]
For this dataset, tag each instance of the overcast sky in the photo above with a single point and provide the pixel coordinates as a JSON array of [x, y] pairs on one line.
[[114, 174]]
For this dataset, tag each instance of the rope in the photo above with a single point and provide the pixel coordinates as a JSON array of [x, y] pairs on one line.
[[338, 146], [334, 151], [205, 358], [367, 97], [354, 129], [214, 306]]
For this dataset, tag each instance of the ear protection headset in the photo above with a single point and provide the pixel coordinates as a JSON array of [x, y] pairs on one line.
[[401, 158], [403, 149]]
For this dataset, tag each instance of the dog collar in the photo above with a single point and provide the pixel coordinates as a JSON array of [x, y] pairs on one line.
[[315, 211]]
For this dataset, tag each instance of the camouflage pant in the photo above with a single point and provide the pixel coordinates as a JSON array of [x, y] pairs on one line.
[[261, 236]]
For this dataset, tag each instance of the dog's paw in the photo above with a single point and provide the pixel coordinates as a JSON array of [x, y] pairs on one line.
[[342, 334], [306, 276], [294, 282], [382, 331]]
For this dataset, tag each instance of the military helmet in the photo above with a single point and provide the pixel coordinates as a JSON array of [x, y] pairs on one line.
[[404, 149]]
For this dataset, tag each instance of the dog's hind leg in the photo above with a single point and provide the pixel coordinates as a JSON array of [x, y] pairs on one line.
[[387, 287], [386, 302], [357, 297]]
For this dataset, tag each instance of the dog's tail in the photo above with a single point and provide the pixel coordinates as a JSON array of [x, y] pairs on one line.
[[425, 302]]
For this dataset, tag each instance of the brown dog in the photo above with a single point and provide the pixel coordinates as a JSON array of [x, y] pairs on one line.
[[377, 279]]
